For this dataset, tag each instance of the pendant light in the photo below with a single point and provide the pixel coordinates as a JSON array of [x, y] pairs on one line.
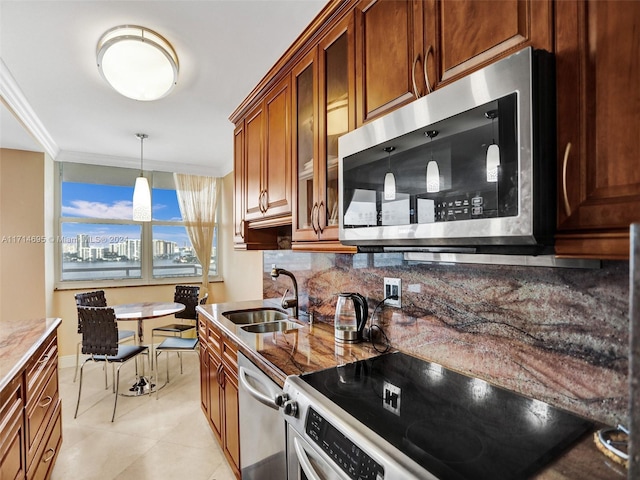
[[141, 191], [493, 152], [433, 171], [389, 178]]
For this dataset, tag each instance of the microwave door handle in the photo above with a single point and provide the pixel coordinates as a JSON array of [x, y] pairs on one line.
[[243, 373], [304, 462]]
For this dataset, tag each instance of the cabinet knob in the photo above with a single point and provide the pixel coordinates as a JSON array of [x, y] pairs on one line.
[[565, 194]]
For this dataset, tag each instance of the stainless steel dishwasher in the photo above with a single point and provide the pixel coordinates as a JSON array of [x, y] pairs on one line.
[[262, 428]]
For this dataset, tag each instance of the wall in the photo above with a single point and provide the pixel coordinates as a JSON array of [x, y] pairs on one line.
[[558, 335], [22, 258]]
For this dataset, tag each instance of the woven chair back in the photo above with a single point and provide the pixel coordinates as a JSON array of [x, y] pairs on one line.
[[188, 296], [99, 330]]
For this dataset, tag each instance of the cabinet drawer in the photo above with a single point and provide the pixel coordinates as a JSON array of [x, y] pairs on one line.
[[214, 340], [38, 413], [41, 469], [37, 371], [230, 356], [12, 460]]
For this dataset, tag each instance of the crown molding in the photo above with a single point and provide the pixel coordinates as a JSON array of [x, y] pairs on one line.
[[130, 162], [17, 103]]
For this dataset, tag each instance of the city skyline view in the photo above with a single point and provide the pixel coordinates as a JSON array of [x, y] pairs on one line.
[[105, 248]]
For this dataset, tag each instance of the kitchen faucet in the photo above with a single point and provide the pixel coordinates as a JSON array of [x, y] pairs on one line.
[[287, 302]]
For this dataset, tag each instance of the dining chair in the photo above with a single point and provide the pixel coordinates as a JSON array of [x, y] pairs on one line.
[[174, 344], [100, 342], [188, 296], [97, 298]]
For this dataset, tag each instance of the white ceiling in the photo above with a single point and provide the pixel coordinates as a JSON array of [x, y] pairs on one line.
[[225, 47]]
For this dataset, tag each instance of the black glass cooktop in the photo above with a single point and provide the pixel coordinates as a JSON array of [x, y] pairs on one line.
[[456, 427]]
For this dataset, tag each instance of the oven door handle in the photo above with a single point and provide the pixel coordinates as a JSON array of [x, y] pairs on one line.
[[243, 373], [304, 462]]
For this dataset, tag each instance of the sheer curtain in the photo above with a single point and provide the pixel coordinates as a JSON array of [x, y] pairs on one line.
[[198, 200]]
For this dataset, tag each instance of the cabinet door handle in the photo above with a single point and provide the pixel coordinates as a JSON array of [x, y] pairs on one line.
[[323, 224], [51, 453], [565, 194], [314, 213], [46, 401], [44, 358], [413, 76], [424, 66], [242, 228], [265, 198]]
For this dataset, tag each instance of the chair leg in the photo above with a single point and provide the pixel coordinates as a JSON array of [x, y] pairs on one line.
[[80, 388], [78, 346], [115, 402]]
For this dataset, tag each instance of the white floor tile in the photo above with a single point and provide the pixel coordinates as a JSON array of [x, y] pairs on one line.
[[152, 438]]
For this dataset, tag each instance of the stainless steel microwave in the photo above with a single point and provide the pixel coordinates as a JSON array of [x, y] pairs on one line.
[[467, 168]]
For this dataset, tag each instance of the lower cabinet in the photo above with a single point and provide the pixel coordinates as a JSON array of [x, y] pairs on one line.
[[219, 391], [30, 418]]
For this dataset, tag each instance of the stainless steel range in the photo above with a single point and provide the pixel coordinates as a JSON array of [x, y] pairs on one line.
[[399, 417]]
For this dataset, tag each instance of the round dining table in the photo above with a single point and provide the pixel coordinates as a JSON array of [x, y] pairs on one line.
[[145, 311], [140, 312]]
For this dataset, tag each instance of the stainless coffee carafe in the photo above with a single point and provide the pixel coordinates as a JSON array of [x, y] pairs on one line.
[[350, 318]]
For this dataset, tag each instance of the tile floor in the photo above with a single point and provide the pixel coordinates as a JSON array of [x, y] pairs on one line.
[[164, 438]]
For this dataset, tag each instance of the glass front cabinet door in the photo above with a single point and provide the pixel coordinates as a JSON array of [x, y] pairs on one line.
[[323, 94]]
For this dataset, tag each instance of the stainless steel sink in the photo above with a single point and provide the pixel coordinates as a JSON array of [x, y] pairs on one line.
[[281, 326], [260, 315]]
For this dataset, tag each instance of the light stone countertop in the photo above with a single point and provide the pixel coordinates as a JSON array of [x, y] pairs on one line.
[[19, 340]]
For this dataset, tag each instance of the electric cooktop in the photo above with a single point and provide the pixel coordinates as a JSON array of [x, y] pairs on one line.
[[454, 426]]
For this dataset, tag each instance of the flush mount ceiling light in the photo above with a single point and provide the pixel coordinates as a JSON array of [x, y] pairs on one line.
[[137, 62], [141, 192]]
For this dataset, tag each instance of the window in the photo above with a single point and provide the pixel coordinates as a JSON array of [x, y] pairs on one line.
[[98, 242]]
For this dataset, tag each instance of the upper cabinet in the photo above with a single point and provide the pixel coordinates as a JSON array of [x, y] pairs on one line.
[[267, 158], [471, 34], [360, 59], [324, 109], [388, 55], [598, 96]]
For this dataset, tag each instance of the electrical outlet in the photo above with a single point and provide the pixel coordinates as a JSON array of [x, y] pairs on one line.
[[391, 398], [393, 286]]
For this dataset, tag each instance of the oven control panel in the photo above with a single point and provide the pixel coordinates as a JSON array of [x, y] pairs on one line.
[[351, 459]]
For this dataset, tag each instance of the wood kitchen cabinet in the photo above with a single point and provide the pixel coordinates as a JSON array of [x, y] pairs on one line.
[[12, 458], [388, 51], [472, 34], [323, 86], [30, 418], [219, 391], [266, 192], [598, 97], [243, 238]]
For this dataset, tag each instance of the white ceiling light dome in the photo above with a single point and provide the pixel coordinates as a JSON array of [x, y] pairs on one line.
[[137, 62]]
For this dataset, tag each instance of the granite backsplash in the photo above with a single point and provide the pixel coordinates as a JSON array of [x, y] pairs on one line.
[[556, 334]]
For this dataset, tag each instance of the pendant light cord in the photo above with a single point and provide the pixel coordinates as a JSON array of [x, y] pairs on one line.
[[142, 136]]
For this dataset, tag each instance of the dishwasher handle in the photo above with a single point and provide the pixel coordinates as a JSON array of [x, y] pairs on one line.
[[243, 373]]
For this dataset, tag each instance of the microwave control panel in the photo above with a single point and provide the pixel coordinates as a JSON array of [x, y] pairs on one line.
[[346, 454], [454, 207]]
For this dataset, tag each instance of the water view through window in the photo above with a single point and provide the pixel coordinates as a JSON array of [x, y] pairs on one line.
[[100, 241]]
